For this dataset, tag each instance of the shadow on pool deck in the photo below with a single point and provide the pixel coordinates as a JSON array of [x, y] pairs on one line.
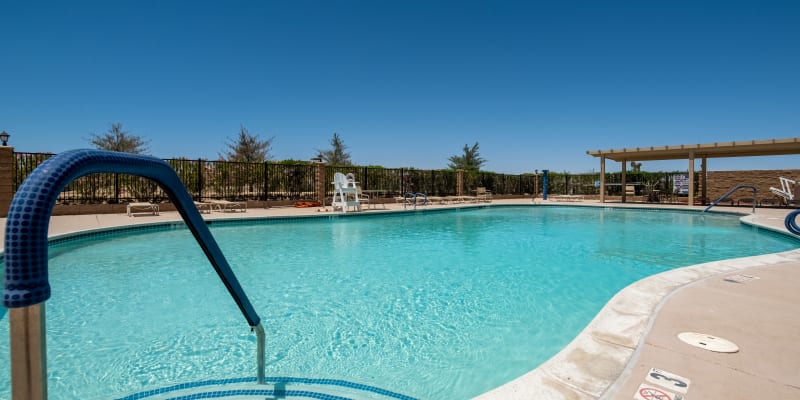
[[637, 329]]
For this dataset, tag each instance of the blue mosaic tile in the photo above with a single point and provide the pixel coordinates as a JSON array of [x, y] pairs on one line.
[[284, 393], [261, 392]]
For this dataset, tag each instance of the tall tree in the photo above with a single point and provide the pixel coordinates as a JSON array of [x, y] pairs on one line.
[[116, 139], [471, 160], [248, 147], [336, 155]]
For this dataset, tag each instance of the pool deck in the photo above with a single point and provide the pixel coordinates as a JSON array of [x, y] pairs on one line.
[[751, 301]]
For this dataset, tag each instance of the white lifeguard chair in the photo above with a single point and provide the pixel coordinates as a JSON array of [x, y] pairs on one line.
[[345, 193]]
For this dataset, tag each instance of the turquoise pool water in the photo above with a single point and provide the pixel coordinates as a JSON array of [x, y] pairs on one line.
[[433, 305]]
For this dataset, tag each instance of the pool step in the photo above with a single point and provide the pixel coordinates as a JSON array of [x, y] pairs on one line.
[[274, 388]]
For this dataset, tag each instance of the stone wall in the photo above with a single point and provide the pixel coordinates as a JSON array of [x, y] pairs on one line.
[[720, 182]]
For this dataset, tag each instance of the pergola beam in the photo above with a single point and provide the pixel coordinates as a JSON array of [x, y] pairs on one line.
[[749, 148]]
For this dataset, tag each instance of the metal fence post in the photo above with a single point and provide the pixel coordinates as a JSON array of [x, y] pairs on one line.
[[116, 188], [266, 181], [402, 181], [199, 187], [459, 182], [544, 184]]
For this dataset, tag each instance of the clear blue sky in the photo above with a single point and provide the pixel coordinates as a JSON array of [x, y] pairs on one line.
[[405, 83]]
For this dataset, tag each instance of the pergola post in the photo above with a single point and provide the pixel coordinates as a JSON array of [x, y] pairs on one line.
[[602, 179], [690, 201], [703, 192], [623, 179]]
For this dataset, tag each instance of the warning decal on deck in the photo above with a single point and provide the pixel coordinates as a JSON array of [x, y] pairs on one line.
[[668, 380], [649, 392]]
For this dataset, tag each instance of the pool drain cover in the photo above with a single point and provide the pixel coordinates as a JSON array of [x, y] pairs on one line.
[[708, 342]]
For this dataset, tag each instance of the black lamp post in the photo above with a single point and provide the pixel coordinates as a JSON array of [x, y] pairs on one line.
[[4, 138]]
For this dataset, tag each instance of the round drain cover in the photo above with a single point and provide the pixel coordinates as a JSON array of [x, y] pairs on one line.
[[708, 342]]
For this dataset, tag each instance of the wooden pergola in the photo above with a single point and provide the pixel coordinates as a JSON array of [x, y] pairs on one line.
[[750, 148]]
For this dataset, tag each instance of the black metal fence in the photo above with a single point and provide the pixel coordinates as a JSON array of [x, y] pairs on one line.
[[653, 186], [246, 181], [297, 181]]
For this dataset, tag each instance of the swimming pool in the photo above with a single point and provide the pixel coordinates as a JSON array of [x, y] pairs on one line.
[[433, 305]]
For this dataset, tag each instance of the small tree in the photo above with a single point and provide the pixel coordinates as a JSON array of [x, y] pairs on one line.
[[117, 139], [469, 161], [337, 154], [248, 148]]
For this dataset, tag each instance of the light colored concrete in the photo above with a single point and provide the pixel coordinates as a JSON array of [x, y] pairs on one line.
[[758, 315], [637, 328]]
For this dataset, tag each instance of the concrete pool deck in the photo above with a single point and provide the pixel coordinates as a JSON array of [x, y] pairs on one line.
[[750, 301]]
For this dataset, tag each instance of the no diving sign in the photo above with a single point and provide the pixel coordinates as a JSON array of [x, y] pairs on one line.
[[649, 392]]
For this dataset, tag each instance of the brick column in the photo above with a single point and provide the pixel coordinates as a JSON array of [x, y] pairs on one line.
[[6, 179], [321, 183]]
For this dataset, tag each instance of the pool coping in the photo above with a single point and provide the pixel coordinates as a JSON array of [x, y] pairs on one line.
[[594, 364]]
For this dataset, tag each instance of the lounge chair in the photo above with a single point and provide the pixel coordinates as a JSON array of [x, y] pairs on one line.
[[226, 205], [770, 202], [454, 199], [787, 190], [436, 200], [345, 193], [568, 197], [142, 207], [203, 206]]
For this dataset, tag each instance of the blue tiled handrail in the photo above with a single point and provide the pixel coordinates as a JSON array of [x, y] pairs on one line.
[[791, 223], [26, 276]]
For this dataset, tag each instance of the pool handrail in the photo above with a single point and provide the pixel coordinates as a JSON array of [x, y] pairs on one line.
[[411, 198], [730, 192], [26, 246], [790, 222]]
